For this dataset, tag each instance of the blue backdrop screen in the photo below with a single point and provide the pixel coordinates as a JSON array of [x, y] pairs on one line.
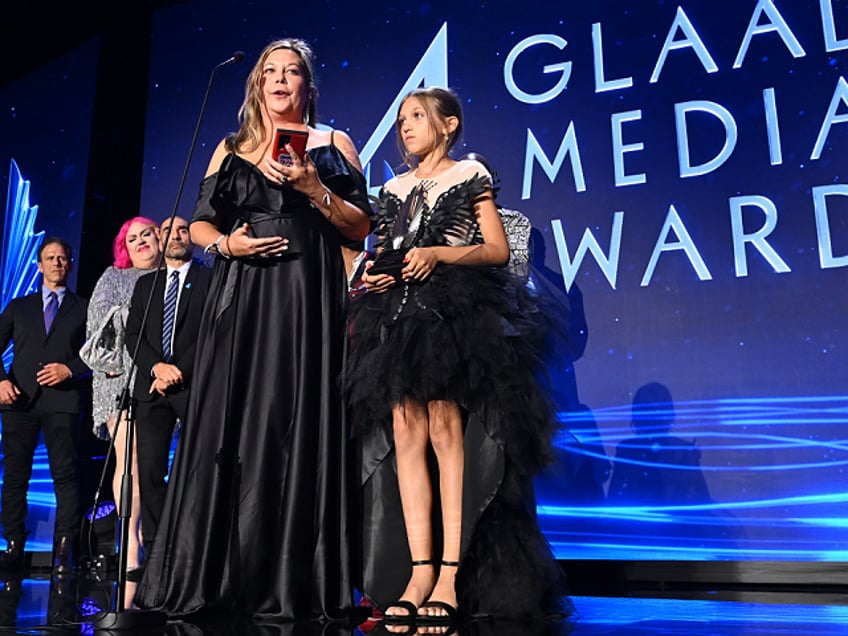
[[679, 162], [44, 148]]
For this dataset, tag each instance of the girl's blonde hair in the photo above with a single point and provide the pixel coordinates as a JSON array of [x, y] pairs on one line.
[[439, 103]]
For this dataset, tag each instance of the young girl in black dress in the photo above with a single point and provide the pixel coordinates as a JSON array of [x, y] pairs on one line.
[[443, 385]]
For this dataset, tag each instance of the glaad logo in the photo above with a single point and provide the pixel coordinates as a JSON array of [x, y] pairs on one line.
[[431, 70]]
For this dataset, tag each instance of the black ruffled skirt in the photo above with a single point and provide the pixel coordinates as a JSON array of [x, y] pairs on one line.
[[476, 336]]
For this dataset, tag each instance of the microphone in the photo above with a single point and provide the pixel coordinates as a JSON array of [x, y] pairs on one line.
[[122, 618], [236, 57]]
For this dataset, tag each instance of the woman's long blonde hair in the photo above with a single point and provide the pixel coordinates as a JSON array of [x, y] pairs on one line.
[[251, 131]]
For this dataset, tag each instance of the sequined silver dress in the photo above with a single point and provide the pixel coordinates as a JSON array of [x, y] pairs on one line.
[[114, 287]]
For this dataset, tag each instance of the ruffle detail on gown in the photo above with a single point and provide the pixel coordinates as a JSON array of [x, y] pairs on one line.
[[450, 221], [239, 191], [485, 349], [509, 571], [479, 349]]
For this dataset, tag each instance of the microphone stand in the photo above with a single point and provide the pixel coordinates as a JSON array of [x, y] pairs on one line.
[[122, 618]]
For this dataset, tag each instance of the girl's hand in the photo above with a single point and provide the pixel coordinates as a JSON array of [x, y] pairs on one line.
[[420, 263], [377, 283]]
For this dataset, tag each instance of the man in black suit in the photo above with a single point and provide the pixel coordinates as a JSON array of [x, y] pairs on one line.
[[163, 378], [43, 392]]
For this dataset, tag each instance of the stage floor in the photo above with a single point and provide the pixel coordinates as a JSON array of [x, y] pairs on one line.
[[41, 605]]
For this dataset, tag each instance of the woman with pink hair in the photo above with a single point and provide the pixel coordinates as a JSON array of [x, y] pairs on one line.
[[136, 252]]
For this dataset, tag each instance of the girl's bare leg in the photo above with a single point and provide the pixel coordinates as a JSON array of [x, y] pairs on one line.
[[447, 439], [416, 495]]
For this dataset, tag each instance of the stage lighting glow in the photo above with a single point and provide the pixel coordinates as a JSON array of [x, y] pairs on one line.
[[18, 261]]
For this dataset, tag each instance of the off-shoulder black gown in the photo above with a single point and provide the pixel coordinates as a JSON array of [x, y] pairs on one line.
[[256, 519]]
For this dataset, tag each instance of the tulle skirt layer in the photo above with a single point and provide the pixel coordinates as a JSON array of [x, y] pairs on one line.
[[477, 337]]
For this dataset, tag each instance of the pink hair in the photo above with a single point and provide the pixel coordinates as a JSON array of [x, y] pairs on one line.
[[119, 245]]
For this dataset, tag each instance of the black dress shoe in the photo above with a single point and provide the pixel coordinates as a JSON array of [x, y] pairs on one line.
[[13, 557], [63, 556]]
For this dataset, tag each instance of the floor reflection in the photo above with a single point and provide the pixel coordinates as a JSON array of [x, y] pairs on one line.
[[372, 628], [68, 606]]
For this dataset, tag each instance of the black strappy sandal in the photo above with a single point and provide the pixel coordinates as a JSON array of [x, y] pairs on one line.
[[448, 618], [409, 606], [451, 613]]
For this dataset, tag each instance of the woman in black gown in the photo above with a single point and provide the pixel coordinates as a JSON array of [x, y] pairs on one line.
[[444, 384], [256, 516]]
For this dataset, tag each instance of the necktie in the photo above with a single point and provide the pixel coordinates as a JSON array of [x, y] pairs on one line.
[[170, 314], [50, 310]]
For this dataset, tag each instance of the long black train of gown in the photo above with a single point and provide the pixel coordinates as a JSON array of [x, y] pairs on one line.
[[473, 335], [256, 518]]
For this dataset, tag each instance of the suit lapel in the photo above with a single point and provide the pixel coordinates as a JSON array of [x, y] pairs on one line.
[[185, 294], [157, 306], [36, 310]]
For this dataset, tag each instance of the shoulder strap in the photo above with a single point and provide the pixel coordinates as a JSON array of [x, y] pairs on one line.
[[332, 132]]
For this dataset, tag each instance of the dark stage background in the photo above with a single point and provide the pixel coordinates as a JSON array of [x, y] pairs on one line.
[[680, 164]]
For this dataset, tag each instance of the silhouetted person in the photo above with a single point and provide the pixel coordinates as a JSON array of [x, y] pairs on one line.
[[655, 467]]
